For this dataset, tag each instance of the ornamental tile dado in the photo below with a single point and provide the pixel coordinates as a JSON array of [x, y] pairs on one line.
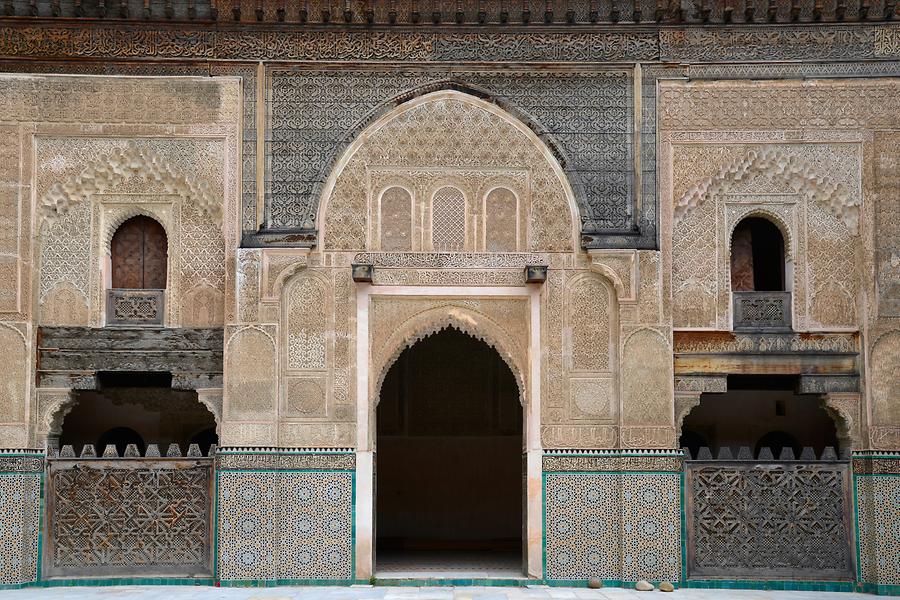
[[603, 463], [285, 525], [20, 514], [283, 461], [612, 526], [878, 521]]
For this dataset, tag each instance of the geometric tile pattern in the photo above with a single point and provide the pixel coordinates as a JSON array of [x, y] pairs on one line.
[[651, 527], [285, 525], [615, 526], [20, 511], [878, 528]]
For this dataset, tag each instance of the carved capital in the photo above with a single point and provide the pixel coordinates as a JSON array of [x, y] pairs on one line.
[[685, 402], [53, 406], [211, 398], [844, 409]]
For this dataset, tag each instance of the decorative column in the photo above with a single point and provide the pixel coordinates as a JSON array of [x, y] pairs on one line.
[[53, 404]]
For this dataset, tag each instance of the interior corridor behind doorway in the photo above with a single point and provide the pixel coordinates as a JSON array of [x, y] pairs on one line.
[[449, 462]]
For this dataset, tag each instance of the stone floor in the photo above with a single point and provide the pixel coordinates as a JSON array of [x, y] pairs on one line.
[[448, 564], [397, 593]]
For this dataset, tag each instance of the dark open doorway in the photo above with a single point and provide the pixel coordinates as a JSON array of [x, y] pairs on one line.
[[449, 474]]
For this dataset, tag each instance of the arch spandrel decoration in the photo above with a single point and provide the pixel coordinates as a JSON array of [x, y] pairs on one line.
[[492, 320], [181, 183], [446, 131], [819, 219]]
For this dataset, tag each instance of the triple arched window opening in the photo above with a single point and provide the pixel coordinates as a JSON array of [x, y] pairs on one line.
[[448, 221]]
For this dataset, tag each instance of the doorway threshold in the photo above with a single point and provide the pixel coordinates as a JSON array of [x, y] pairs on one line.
[[449, 567]]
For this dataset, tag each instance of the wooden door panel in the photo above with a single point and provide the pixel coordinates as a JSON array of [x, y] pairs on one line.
[[139, 252], [155, 255]]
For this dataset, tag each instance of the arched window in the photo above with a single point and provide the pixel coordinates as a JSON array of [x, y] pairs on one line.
[[448, 220], [396, 219], [139, 253], [501, 220], [757, 257]]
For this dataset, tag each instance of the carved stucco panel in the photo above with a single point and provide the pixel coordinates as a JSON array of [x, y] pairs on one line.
[[779, 105], [444, 131], [817, 208], [251, 382], [83, 200], [647, 388], [14, 380], [884, 377]]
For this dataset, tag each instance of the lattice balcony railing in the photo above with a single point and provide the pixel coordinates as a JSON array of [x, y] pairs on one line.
[[769, 311], [135, 307]]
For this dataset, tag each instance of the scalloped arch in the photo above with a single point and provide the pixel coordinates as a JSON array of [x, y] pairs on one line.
[[773, 218], [471, 323], [122, 215]]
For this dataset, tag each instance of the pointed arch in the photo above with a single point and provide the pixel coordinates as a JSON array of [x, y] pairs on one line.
[[390, 105], [336, 194], [467, 321]]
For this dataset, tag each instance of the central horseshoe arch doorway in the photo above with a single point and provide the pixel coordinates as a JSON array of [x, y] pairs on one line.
[[449, 490]]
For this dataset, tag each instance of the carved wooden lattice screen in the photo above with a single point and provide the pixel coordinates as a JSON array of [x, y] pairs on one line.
[[136, 517], [768, 520]]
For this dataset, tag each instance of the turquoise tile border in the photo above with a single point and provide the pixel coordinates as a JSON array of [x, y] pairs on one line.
[[40, 551], [91, 582], [771, 585], [267, 583], [429, 582], [879, 589]]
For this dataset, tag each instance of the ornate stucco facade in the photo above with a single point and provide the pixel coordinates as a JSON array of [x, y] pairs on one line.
[[336, 187]]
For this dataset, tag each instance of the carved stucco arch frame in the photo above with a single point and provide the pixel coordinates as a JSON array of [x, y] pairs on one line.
[[452, 90], [790, 252], [432, 321], [337, 159], [52, 414], [813, 186]]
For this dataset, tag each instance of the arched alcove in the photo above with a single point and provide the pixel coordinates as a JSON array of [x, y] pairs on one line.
[[449, 487], [761, 411], [134, 408], [758, 257]]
